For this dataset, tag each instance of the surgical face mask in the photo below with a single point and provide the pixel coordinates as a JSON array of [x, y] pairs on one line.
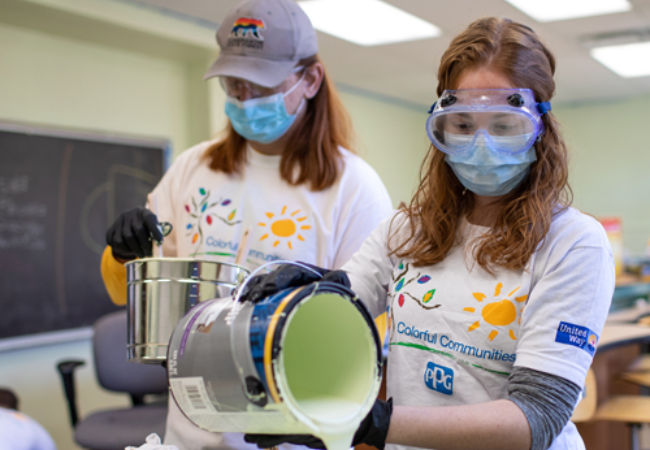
[[486, 171], [263, 119]]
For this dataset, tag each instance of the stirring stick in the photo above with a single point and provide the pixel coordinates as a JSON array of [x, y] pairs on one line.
[[153, 206], [243, 247]]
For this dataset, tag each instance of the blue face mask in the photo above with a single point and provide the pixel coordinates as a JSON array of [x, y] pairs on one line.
[[488, 172], [263, 119]]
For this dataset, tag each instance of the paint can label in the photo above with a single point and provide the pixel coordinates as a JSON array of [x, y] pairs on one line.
[[191, 395]]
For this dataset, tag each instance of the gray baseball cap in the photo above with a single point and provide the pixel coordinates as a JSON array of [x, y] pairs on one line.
[[262, 41]]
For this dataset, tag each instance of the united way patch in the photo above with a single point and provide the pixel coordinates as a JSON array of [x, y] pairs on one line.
[[581, 337]]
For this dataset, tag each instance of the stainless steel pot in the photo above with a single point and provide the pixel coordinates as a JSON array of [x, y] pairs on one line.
[[162, 290]]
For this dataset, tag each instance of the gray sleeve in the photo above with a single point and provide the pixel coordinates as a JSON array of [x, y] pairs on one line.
[[546, 400]]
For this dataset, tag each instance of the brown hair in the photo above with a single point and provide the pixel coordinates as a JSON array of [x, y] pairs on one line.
[[434, 214], [313, 147], [8, 399]]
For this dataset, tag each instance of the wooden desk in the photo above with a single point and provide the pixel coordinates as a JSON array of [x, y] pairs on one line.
[[621, 334], [629, 315], [618, 347]]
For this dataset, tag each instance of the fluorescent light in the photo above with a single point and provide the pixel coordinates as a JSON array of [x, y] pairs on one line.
[[367, 22], [628, 60], [550, 10]]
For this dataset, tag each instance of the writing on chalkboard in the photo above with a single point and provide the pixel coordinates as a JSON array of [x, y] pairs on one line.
[[22, 226], [58, 195]]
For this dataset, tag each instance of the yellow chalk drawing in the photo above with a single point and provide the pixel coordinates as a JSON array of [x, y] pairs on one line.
[[282, 227], [498, 313]]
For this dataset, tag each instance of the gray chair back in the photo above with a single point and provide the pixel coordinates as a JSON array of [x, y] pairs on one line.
[[114, 372]]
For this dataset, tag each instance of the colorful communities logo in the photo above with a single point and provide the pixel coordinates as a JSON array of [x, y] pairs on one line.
[[245, 26], [203, 213], [499, 313], [284, 227]]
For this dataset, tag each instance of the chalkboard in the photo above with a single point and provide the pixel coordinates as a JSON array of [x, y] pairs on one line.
[[59, 192]]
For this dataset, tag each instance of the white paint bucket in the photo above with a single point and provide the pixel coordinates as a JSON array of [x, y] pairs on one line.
[[305, 360]]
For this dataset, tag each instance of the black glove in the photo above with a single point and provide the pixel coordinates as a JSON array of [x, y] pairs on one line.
[[130, 235], [287, 276], [372, 431]]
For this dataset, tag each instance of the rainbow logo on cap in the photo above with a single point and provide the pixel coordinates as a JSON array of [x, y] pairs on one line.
[[245, 26]]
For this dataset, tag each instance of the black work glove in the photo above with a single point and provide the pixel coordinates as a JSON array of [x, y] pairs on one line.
[[130, 235], [287, 276], [372, 431]]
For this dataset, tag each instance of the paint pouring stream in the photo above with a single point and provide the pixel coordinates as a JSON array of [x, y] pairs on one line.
[[302, 361]]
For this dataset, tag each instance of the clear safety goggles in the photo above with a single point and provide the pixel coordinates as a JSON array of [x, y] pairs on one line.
[[509, 120], [233, 86]]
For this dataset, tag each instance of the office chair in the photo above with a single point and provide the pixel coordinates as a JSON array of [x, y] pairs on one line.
[[114, 429]]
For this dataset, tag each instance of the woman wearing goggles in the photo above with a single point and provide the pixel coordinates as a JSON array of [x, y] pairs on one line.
[[497, 289]]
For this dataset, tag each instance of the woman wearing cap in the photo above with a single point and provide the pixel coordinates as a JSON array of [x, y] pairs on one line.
[[498, 290], [281, 170]]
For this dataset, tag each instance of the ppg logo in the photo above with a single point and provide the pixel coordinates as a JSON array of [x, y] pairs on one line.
[[439, 378]]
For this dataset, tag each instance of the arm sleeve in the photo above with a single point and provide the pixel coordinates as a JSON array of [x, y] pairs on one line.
[[370, 270], [114, 275], [565, 313], [547, 402]]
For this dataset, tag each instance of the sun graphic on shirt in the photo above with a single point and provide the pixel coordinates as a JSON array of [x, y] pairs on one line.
[[284, 227], [499, 313]]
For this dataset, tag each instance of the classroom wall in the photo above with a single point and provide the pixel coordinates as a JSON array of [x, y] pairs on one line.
[[53, 80], [391, 137], [610, 163]]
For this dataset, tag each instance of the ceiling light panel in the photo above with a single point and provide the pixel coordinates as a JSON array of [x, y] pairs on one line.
[[367, 22], [628, 60], [551, 10]]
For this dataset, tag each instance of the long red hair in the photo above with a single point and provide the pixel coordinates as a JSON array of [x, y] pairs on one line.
[[312, 156], [440, 202]]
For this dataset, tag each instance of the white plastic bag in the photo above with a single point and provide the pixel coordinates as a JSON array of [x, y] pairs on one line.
[[153, 443]]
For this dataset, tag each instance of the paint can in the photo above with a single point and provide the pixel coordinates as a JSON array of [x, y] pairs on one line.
[[305, 360], [162, 290]]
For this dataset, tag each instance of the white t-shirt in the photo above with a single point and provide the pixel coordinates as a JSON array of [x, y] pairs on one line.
[[20, 432], [210, 210], [456, 331]]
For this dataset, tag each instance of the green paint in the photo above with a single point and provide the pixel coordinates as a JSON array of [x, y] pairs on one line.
[[448, 355], [425, 348], [328, 355], [491, 371], [214, 254]]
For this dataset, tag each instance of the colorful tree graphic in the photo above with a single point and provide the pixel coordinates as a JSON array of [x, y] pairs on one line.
[[203, 209], [400, 282]]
